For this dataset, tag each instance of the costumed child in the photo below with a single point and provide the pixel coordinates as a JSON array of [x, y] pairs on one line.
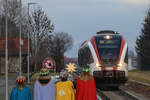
[[20, 92], [44, 87], [86, 89], [64, 88]]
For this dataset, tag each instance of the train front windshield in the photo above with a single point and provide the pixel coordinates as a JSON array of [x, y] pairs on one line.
[[108, 49]]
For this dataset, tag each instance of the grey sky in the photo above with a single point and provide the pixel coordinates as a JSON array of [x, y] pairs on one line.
[[83, 18]]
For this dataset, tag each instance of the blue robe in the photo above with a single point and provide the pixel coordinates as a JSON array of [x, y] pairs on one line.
[[24, 94]]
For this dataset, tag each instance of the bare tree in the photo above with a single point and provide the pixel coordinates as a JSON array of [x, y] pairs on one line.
[[13, 18], [13, 29], [41, 29], [60, 43]]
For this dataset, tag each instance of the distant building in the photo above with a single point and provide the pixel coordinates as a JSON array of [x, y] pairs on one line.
[[70, 60], [132, 62], [13, 53], [131, 53], [135, 61]]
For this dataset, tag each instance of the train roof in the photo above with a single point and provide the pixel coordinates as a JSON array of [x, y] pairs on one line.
[[101, 34], [107, 32], [113, 35]]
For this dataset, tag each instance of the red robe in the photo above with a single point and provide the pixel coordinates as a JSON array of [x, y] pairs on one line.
[[86, 90]]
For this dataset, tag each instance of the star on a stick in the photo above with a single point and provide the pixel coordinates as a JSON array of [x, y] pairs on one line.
[[71, 67]]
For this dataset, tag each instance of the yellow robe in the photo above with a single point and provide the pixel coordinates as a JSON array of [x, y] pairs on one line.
[[65, 91]]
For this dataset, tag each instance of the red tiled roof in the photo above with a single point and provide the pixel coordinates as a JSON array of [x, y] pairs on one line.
[[66, 59], [13, 46]]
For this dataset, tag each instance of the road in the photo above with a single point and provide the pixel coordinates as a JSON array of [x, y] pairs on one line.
[[11, 84]]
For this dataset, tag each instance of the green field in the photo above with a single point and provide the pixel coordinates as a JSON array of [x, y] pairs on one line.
[[13, 74], [142, 76]]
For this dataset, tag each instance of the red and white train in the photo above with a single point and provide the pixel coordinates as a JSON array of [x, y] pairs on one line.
[[107, 54]]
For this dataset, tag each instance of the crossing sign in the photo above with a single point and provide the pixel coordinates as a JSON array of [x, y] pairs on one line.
[[49, 63]]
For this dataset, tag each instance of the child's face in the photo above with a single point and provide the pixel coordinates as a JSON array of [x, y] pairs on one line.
[[64, 78], [20, 84]]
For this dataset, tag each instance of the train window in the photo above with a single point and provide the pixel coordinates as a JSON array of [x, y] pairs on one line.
[[80, 57], [90, 57], [126, 57], [82, 60], [108, 49], [85, 56]]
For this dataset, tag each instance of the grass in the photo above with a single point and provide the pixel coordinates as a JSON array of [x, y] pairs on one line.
[[142, 76], [13, 74]]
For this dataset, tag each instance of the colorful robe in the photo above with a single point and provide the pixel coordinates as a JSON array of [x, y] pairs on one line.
[[86, 90], [65, 91], [47, 92], [24, 94]]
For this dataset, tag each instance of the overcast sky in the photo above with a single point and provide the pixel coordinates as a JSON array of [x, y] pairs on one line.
[[83, 18]]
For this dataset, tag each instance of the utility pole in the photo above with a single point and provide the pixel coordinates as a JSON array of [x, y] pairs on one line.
[[29, 42], [6, 50], [20, 43]]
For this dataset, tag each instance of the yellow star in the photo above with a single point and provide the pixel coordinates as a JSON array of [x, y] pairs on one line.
[[71, 67]]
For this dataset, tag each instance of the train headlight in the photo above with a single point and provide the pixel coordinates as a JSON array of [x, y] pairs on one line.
[[120, 64], [107, 37], [97, 64]]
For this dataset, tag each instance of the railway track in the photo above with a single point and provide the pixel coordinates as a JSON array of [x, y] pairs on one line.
[[133, 90], [119, 94], [113, 95]]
